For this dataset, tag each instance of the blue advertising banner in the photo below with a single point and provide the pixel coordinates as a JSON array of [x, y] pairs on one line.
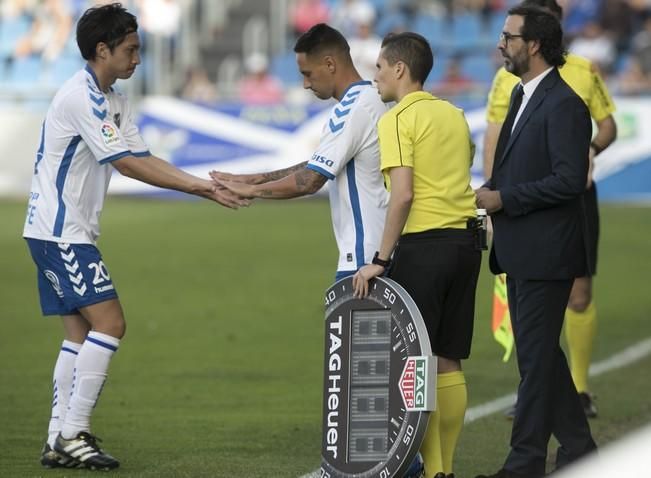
[[241, 139]]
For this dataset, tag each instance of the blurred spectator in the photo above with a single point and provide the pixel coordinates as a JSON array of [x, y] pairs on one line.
[[641, 7], [454, 82], [160, 17], [364, 50], [595, 45], [198, 87], [618, 19], [473, 5], [160, 22], [348, 15], [408, 8], [51, 26], [259, 87], [577, 14], [15, 8], [641, 46], [303, 14], [633, 80]]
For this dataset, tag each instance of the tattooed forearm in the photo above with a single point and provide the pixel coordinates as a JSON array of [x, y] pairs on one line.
[[308, 181], [281, 173], [300, 183], [302, 179]]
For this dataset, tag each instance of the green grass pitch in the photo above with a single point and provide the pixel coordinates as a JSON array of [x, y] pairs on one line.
[[219, 374]]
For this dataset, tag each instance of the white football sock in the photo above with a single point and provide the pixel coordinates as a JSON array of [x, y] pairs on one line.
[[61, 384], [91, 369]]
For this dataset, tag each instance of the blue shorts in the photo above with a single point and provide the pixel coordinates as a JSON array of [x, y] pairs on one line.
[[343, 274], [70, 276]]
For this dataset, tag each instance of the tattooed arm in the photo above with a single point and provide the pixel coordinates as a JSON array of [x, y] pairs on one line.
[[301, 182], [257, 178]]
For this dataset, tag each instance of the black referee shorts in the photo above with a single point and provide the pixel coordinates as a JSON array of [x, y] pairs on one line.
[[592, 232], [439, 269]]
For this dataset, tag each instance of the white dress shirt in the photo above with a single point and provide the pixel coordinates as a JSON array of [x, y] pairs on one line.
[[528, 90]]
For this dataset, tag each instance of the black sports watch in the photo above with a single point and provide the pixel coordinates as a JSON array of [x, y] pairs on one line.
[[380, 262]]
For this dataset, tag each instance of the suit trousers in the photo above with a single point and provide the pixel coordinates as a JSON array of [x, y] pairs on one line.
[[548, 402]]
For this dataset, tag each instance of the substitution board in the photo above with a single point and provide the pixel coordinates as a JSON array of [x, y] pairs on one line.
[[379, 381]]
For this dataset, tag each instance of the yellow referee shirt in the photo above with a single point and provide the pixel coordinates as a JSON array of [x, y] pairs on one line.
[[430, 136], [578, 72]]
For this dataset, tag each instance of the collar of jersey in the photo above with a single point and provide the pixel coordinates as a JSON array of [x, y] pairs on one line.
[[352, 85], [92, 73], [416, 95]]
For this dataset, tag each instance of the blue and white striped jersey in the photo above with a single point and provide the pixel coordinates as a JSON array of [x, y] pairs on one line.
[[349, 154], [84, 130]]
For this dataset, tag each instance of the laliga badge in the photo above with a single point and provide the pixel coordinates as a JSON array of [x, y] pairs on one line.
[[109, 134]]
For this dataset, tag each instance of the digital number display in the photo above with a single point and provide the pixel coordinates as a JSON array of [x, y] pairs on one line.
[[369, 431], [370, 356]]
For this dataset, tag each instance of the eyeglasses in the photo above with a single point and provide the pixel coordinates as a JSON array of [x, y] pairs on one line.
[[506, 36]]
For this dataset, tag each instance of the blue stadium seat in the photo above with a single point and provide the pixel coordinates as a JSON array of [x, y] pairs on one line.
[[380, 5], [25, 73], [71, 48], [433, 28], [622, 63], [283, 66], [440, 64], [11, 29], [389, 22], [496, 26], [466, 31], [64, 68], [479, 67]]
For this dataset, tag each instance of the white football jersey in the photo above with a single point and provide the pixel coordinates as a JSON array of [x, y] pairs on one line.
[[84, 130], [349, 154]]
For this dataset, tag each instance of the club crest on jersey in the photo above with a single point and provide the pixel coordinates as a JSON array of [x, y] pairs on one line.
[[109, 134]]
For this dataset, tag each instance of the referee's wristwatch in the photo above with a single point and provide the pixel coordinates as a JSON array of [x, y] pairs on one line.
[[380, 262]]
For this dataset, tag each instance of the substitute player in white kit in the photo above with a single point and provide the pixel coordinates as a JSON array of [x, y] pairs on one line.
[[348, 152], [89, 128]]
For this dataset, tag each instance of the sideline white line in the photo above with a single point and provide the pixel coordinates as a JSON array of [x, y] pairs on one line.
[[626, 357]]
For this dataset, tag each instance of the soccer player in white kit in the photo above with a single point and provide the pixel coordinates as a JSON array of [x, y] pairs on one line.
[[89, 128], [348, 152]]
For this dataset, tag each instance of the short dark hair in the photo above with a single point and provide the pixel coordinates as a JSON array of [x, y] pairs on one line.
[[551, 5], [322, 38], [542, 26], [108, 24], [412, 49]]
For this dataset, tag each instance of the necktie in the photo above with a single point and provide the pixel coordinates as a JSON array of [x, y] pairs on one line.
[[505, 132]]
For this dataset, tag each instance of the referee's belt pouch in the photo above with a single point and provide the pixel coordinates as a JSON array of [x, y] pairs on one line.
[[479, 233]]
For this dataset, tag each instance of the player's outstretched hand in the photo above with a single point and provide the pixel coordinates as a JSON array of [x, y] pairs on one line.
[[363, 276], [229, 199], [239, 189]]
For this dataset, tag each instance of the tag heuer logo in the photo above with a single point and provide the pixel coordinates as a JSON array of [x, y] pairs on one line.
[[415, 383]]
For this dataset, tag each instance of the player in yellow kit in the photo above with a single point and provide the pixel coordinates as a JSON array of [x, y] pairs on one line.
[[581, 75]]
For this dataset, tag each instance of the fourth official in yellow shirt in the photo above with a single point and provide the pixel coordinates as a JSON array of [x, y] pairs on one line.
[[425, 155]]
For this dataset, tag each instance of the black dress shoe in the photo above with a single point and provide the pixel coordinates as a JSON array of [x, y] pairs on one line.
[[506, 474]]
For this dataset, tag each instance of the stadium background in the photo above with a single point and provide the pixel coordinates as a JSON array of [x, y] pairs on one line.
[[220, 374]]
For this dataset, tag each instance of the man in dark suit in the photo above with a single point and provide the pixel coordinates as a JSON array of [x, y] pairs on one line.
[[534, 198]]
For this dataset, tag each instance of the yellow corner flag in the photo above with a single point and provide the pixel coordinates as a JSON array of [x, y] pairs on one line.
[[502, 330]]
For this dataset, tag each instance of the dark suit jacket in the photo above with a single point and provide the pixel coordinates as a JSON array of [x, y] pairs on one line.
[[541, 174]]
